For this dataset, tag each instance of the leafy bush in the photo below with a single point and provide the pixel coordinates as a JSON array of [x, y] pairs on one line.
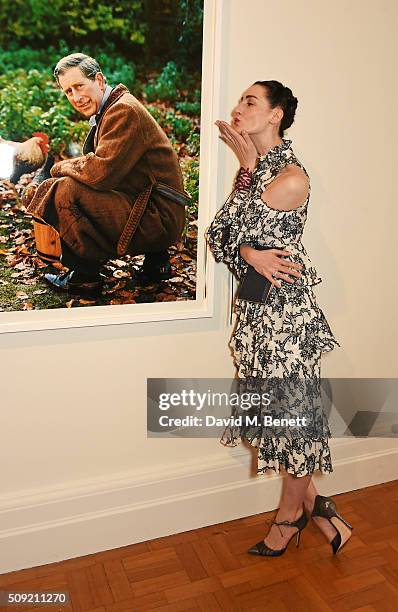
[[193, 143], [166, 86], [176, 126], [40, 20], [190, 28], [30, 102], [148, 32], [116, 69], [188, 108], [190, 171], [182, 127], [26, 58]]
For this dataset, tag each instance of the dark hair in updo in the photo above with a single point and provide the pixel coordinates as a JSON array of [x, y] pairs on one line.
[[279, 95]]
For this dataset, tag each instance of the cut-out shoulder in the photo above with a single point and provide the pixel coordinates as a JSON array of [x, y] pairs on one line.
[[288, 189]]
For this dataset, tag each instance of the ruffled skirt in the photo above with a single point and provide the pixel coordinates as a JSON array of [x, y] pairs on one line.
[[283, 341]]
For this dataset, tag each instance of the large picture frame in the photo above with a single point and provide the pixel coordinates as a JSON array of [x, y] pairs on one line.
[[202, 306]]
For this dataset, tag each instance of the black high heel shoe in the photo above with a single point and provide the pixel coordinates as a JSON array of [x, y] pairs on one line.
[[325, 507], [262, 549]]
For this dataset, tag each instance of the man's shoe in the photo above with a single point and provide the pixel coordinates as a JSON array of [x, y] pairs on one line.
[[152, 275], [65, 282]]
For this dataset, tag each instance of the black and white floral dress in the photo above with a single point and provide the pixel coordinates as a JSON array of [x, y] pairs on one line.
[[285, 337]]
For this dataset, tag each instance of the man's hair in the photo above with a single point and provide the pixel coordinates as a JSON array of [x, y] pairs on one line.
[[88, 65]]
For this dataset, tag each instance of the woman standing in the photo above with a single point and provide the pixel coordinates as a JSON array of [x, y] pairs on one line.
[[261, 225]]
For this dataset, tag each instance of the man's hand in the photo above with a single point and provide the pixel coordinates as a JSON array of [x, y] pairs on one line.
[[270, 264], [241, 144]]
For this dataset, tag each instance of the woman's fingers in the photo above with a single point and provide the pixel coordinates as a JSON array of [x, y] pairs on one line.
[[230, 133], [285, 262], [268, 276], [290, 270], [284, 277], [274, 282]]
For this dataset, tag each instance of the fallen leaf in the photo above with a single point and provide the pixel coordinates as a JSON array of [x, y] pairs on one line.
[[127, 294], [117, 287], [21, 266], [121, 274], [29, 281], [165, 297]]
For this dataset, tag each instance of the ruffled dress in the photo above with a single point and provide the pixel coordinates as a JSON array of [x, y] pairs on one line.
[[283, 339]]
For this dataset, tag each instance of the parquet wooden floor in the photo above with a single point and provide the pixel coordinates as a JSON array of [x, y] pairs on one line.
[[209, 568]]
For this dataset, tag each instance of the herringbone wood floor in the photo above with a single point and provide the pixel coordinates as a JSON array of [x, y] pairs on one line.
[[209, 569]]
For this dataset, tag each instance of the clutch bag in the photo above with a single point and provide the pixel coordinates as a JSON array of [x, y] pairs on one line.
[[254, 287]]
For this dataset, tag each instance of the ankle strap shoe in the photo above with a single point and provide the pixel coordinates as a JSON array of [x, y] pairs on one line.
[[265, 551]]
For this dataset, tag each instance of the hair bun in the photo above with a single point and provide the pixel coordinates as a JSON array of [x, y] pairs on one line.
[[280, 95]]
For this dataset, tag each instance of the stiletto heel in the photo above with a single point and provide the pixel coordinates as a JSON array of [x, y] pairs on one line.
[[262, 549], [324, 507]]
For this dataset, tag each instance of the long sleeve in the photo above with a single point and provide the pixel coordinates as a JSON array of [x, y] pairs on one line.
[[120, 145], [225, 235]]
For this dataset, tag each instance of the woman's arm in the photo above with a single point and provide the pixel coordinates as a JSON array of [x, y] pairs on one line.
[[270, 264]]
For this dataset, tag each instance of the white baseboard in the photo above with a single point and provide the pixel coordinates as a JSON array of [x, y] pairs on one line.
[[39, 527]]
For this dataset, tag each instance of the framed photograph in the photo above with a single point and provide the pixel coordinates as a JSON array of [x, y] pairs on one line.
[[181, 91]]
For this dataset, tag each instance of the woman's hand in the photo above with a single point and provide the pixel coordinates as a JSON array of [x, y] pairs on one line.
[[270, 264], [241, 144]]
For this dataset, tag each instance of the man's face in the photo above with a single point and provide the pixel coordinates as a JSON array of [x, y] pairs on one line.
[[84, 94]]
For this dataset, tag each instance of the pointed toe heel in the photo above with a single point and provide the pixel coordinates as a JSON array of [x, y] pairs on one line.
[[325, 507], [265, 551]]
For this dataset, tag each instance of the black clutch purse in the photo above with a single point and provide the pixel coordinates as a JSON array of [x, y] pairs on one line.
[[254, 287]]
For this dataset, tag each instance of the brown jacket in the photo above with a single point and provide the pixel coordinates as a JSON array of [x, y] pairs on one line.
[[94, 193]]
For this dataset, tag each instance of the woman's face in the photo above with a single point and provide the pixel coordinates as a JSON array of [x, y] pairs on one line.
[[253, 112]]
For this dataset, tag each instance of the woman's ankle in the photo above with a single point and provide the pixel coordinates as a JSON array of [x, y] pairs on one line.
[[289, 514]]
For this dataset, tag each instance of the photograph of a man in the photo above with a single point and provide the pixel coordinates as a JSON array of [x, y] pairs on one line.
[[124, 195]]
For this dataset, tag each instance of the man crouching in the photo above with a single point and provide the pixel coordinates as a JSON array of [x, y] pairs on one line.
[[124, 195]]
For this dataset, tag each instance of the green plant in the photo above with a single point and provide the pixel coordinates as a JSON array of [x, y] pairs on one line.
[[188, 108], [165, 87], [30, 102], [193, 143], [191, 183], [40, 20]]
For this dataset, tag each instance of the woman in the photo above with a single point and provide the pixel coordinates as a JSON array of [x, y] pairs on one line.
[[283, 338]]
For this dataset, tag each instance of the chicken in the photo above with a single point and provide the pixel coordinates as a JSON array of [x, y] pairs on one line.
[[18, 158]]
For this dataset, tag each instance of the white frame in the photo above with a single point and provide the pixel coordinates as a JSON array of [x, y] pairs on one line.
[[203, 305]]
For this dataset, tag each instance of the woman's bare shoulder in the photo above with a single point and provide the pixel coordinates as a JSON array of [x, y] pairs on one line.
[[288, 190]]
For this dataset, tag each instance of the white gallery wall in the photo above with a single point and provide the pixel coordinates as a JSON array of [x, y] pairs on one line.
[[77, 472]]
